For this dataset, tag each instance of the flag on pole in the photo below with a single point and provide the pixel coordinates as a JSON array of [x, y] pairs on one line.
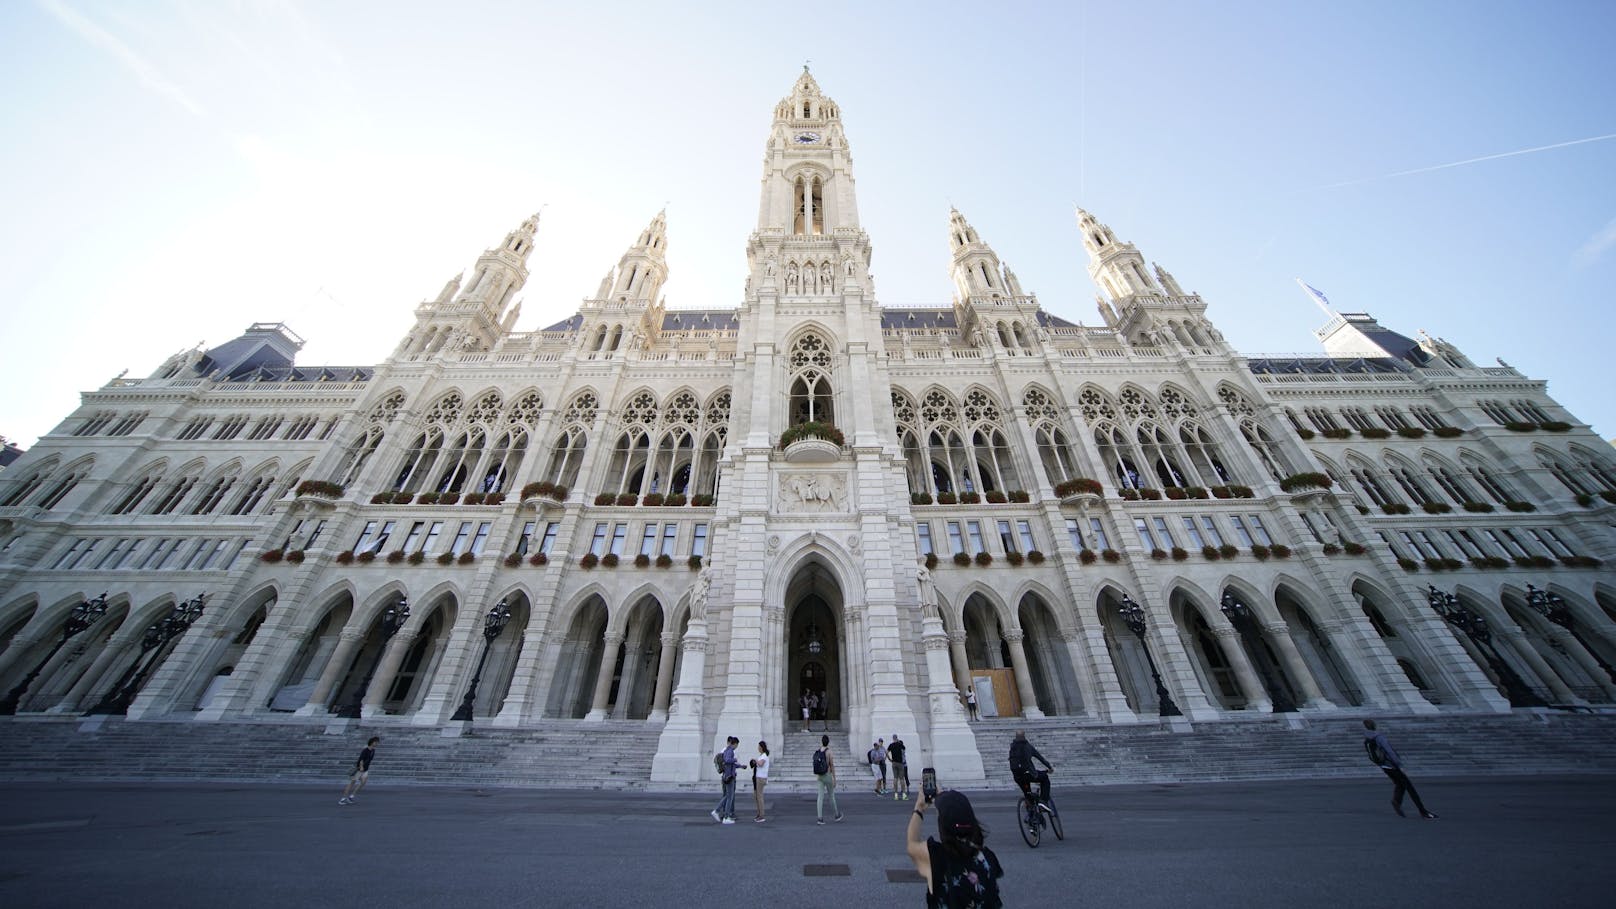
[[1318, 297]]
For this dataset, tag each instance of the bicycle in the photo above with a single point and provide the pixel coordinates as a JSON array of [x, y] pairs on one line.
[[1032, 817]]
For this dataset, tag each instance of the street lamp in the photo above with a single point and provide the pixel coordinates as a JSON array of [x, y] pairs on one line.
[[179, 619], [1554, 608], [1245, 622], [1476, 628], [82, 617], [393, 618], [1134, 616], [814, 644], [493, 624]]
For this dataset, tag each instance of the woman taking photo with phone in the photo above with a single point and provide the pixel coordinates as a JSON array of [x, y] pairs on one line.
[[960, 872]]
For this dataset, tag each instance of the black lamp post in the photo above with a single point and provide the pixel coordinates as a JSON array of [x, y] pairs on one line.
[[1475, 627], [392, 620], [493, 624], [82, 617], [1245, 622], [1554, 608], [179, 619], [1134, 616]]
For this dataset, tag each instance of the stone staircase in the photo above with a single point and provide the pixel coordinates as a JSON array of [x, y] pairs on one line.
[[1272, 748], [562, 755], [569, 754]]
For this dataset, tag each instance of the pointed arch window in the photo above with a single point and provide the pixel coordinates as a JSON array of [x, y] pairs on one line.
[[811, 393]]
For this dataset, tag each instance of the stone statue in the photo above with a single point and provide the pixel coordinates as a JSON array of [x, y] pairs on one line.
[[768, 265], [825, 279], [928, 594], [791, 278], [698, 594]]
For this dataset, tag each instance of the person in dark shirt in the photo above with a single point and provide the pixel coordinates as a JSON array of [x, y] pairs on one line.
[[360, 773], [1021, 757], [1392, 765], [959, 869], [900, 770]]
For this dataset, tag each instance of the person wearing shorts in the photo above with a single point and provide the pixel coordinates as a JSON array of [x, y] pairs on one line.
[[360, 773]]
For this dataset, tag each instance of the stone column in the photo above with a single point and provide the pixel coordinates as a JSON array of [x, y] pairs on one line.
[[664, 678], [69, 702], [335, 666], [1312, 694], [1586, 660], [1523, 646], [14, 651], [392, 658], [1256, 695], [679, 757], [524, 678], [1109, 702], [631, 674], [603, 678], [953, 746], [961, 662], [1018, 660], [235, 691], [1176, 665]]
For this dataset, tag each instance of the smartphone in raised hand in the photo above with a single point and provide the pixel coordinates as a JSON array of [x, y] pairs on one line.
[[928, 783]]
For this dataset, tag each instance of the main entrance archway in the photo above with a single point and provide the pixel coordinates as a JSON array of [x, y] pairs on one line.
[[815, 645]]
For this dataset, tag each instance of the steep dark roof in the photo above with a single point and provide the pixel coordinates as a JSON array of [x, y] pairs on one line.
[[1322, 365]]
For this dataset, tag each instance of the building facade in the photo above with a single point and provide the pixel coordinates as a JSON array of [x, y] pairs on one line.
[[691, 518]]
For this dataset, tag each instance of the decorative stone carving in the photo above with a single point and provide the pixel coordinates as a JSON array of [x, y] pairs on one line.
[[812, 492], [698, 594]]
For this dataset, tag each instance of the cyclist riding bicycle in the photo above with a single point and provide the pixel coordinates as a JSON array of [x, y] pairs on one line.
[[1022, 755]]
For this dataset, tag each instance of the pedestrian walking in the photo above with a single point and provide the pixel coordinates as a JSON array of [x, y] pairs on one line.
[[813, 708], [1380, 751], [825, 773], [900, 769], [805, 711], [760, 778], [360, 773], [970, 702], [877, 756], [726, 764], [959, 870]]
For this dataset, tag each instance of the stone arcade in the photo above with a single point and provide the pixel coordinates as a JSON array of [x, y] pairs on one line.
[[695, 516]]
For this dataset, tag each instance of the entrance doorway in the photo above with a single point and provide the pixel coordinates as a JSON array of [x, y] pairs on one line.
[[814, 649]]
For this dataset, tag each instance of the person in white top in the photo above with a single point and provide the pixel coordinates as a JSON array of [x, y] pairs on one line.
[[760, 778]]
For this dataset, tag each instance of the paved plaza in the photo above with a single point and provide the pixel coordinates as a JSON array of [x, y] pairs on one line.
[[1499, 842]]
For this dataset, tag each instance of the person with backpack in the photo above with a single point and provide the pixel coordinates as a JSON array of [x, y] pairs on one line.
[[825, 773], [960, 871], [726, 764], [1381, 753], [1021, 767], [877, 756]]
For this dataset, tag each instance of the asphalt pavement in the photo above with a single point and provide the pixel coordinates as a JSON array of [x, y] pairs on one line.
[[1498, 842]]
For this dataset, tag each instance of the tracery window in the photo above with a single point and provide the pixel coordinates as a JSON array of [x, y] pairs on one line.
[[810, 366]]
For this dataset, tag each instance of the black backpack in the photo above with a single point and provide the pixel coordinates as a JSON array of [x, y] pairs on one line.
[[821, 763], [1376, 753]]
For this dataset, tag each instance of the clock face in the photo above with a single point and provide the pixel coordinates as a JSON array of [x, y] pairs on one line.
[[807, 138]]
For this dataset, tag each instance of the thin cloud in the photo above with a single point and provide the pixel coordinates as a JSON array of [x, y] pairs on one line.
[[1508, 154], [1600, 243], [143, 69]]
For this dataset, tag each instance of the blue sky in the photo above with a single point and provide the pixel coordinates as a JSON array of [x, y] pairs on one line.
[[175, 171]]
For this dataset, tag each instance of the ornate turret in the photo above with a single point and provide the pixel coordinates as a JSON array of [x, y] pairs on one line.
[[473, 316]]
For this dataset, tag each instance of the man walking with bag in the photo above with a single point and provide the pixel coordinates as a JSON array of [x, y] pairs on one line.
[[825, 774], [1380, 751], [726, 763]]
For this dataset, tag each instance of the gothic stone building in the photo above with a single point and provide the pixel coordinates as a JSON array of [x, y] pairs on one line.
[[690, 518]]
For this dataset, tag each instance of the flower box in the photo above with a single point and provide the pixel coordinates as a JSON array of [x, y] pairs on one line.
[[1111, 555], [1337, 433], [1447, 432], [1520, 506], [1375, 432], [1176, 493], [1035, 557], [1086, 556], [1222, 492], [675, 500], [1280, 551], [416, 557], [1353, 549], [538, 560], [1478, 507], [271, 555], [590, 560], [448, 498], [693, 563], [1517, 426], [1411, 432], [1228, 550], [606, 498], [983, 558], [1078, 485], [1331, 549], [970, 498], [466, 558], [1261, 552], [1242, 492], [1149, 494], [1305, 433], [1306, 480], [1408, 564], [961, 559], [701, 500], [366, 557], [427, 498], [1210, 553], [1179, 553], [1019, 496], [996, 497], [1159, 555], [1131, 495], [609, 560], [664, 561], [446, 558], [919, 498], [947, 498], [1195, 492], [319, 488], [1395, 508], [1436, 507], [295, 557], [627, 498], [395, 557], [1555, 426], [812, 430], [344, 557], [931, 560], [642, 561], [654, 499], [1014, 558], [513, 560]]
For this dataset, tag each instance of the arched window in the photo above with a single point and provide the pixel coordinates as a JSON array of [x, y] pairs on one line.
[[567, 452], [809, 366], [376, 422]]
